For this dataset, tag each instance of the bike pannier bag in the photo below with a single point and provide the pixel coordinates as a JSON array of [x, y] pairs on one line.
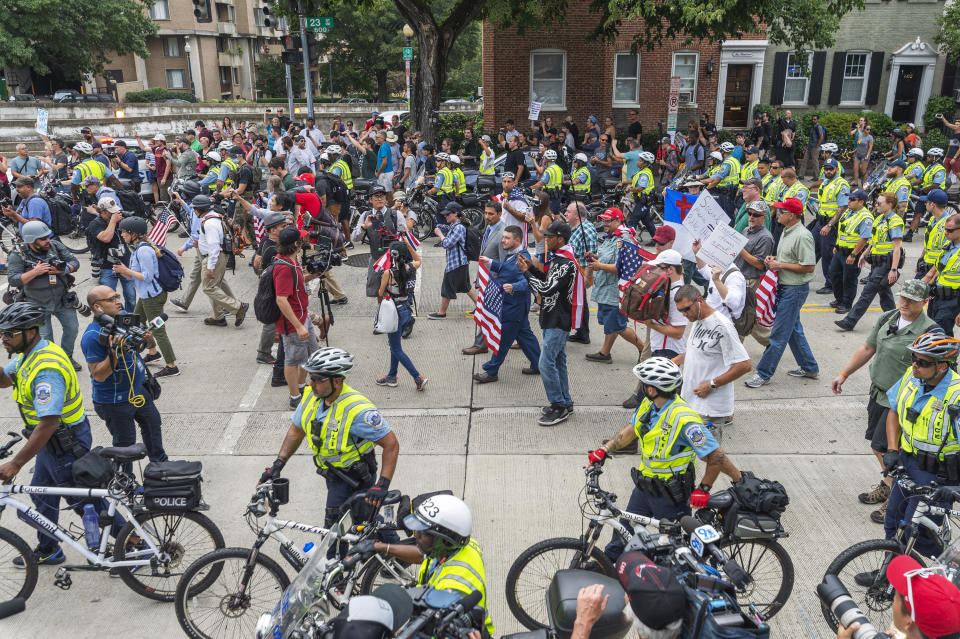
[[754, 526], [647, 296], [763, 496], [92, 470], [172, 485]]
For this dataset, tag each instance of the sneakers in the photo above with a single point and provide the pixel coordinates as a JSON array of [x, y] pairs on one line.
[[484, 378], [599, 357], [167, 371], [43, 558], [553, 416], [756, 381], [799, 372], [151, 358], [267, 359], [278, 382], [841, 309], [880, 514], [348, 245], [386, 380], [179, 304], [547, 409], [339, 302], [242, 313], [877, 495], [529, 370], [212, 321], [295, 401], [866, 579], [437, 316], [421, 382]]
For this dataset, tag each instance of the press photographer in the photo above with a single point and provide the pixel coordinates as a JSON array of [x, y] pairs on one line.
[[123, 390], [379, 225], [41, 268], [107, 249]]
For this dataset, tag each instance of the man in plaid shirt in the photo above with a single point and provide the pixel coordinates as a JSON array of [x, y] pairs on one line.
[[583, 239], [456, 276]]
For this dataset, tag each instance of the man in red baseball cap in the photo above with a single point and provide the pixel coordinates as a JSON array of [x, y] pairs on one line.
[[926, 605]]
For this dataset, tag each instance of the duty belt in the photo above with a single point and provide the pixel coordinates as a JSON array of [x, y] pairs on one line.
[[677, 488], [944, 292], [948, 469]]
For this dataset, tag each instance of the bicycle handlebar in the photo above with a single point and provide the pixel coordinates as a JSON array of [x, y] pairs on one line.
[[14, 439]]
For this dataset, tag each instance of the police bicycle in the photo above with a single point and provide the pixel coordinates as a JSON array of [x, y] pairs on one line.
[[149, 552], [757, 551], [862, 568]]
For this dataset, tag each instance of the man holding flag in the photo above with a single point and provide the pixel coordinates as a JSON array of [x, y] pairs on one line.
[[564, 294]]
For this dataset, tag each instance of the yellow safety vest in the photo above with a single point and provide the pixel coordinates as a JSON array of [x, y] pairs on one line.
[[91, 167], [228, 183], [948, 273], [50, 357], [927, 433], [486, 163], [344, 173], [894, 185], [582, 172], [733, 175], [850, 221], [935, 240], [828, 196], [460, 180], [657, 442], [771, 190], [554, 175], [765, 181], [911, 166], [881, 242], [746, 171], [929, 172], [332, 446], [448, 180], [463, 572], [796, 190], [636, 178]]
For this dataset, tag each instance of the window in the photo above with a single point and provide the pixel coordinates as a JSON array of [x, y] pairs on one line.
[[176, 79], [797, 82], [221, 44], [236, 75], [259, 18], [224, 75], [225, 13], [548, 78], [171, 47], [685, 65], [202, 11], [626, 78], [160, 10], [116, 75], [854, 78]]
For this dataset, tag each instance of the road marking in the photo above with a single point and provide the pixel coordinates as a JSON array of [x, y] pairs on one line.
[[241, 416]]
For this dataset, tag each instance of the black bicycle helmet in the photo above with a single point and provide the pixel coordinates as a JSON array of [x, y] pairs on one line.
[[136, 225], [22, 315], [936, 345], [897, 133], [202, 203], [189, 190]]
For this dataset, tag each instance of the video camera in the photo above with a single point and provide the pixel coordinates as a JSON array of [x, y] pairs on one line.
[[836, 597], [324, 258], [129, 328]]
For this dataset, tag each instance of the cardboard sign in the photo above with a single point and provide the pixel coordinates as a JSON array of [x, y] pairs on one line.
[[704, 216], [722, 247], [43, 117], [534, 111]]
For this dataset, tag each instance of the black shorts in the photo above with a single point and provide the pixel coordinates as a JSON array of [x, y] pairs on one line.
[[876, 426], [344, 212], [455, 281]]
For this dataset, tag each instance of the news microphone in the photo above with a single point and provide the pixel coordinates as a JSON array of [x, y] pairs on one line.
[[465, 605], [704, 538], [12, 607], [158, 321]]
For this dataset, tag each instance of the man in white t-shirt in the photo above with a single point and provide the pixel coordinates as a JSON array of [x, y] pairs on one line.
[[713, 360]]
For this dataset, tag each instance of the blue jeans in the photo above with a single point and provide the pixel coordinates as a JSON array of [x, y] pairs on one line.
[[520, 332], [70, 324], [397, 356], [788, 331], [901, 508], [109, 278], [649, 506], [944, 312], [122, 421], [824, 248], [553, 367]]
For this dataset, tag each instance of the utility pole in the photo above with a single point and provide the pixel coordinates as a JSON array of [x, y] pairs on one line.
[[305, 49]]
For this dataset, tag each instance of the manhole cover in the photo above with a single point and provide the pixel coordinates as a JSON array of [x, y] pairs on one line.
[[357, 259]]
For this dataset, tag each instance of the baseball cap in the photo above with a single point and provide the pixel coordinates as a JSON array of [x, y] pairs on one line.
[[593, 119], [792, 204], [665, 234], [289, 235], [85, 129], [933, 601], [558, 228], [757, 182], [613, 213], [655, 594], [91, 179], [830, 163], [485, 138], [160, 136], [306, 177], [752, 149], [23, 181], [273, 218], [108, 204], [379, 189], [859, 194], [400, 195], [937, 196], [759, 205], [899, 163], [665, 140], [452, 207], [670, 257], [915, 290]]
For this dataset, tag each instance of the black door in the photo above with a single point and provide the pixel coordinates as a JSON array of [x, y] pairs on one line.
[[907, 92]]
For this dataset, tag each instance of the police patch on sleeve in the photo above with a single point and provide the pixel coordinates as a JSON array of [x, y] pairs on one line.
[[695, 434], [43, 393], [373, 419]]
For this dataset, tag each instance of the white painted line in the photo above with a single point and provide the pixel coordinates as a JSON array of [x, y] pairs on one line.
[[241, 416]]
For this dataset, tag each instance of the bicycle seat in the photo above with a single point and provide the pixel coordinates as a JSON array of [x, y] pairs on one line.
[[720, 500], [124, 453]]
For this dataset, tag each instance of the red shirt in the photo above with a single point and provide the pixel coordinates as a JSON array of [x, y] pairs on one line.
[[161, 162], [310, 202], [294, 290]]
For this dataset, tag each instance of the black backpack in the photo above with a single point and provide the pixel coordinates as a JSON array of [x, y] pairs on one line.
[[61, 215], [473, 241], [132, 202], [763, 496], [265, 301]]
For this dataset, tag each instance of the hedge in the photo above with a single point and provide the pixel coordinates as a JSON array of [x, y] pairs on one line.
[[158, 94]]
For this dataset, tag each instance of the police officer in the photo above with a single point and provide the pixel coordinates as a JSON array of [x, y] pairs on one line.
[[552, 180], [922, 434], [899, 186], [854, 228], [443, 185], [341, 427], [459, 179], [223, 174], [450, 558], [935, 240], [671, 436], [641, 186], [945, 277], [914, 175], [88, 167], [580, 180], [726, 180], [833, 195], [48, 396], [749, 168]]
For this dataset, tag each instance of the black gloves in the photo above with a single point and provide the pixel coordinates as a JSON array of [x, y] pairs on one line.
[[891, 459], [274, 471]]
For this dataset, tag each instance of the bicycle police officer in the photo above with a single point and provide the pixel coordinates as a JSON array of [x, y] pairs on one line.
[[671, 437], [341, 427], [552, 180], [580, 180], [944, 278], [641, 187]]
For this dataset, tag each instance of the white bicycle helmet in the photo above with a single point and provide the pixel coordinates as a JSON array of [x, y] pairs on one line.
[[581, 157], [225, 145], [334, 149], [727, 147], [83, 148], [213, 156], [550, 154], [647, 157], [915, 151], [455, 159], [324, 158], [935, 152], [716, 155], [828, 147], [329, 361], [445, 517], [443, 156], [659, 372]]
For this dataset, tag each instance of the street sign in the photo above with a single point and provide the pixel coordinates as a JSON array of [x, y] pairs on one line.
[[408, 53], [320, 25], [673, 105]]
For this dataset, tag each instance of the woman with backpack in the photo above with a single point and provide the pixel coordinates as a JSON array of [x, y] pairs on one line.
[[144, 270], [398, 282]]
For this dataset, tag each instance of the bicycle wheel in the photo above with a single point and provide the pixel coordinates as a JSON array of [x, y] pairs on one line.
[[770, 568], [473, 217], [423, 227], [395, 571], [531, 573], [76, 240], [869, 560], [182, 538], [8, 233], [231, 603], [16, 582]]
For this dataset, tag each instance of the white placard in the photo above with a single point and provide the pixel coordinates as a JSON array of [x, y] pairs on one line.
[[683, 242], [704, 216], [722, 247], [534, 111], [43, 117]]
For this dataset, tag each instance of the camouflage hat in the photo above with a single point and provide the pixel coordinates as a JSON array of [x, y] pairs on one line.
[[915, 290]]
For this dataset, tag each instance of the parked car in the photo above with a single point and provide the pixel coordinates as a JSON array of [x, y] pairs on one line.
[[353, 101], [62, 93], [86, 97], [23, 97], [388, 116]]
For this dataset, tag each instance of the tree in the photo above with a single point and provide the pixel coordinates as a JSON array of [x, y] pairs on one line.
[[949, 36], [73, 37], [272, 79]]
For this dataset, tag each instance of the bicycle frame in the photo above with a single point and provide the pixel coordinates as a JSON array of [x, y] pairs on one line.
[[37, 520], [941, 533], [607, 517]]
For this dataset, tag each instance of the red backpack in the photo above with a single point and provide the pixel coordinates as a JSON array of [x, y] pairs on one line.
[[647, 296]]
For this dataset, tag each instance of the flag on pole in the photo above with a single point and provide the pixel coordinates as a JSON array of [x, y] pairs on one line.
[[767, 299], [676, 205], [489, 307], [383, 263], [414, 242], [258, 229], [158, 234]]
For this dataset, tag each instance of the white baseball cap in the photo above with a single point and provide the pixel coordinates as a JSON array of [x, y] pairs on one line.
[[670, 256]]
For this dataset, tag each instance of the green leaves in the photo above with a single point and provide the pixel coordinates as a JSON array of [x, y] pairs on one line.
[[949, 36]]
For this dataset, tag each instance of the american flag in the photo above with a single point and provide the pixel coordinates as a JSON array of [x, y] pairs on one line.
[[767, 299], [628, 263], [165, 222], [489, 307], [258, 229], [383, 263]]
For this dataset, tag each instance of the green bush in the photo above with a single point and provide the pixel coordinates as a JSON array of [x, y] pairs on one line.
[[935, 137], [838, 128], [941, 104], [158, 94], [451, 125]]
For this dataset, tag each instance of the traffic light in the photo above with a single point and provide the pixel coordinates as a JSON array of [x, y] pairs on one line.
[[312, 53], [291, 43], [197, 8]]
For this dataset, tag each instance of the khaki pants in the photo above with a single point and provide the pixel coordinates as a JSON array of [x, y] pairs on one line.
[[196, 274], [336, 293], [221, 297], [759, 333], [148, 309]]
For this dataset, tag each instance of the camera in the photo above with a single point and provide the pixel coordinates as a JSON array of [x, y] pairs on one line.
[[114, 255], [126, 326], [110, 152], [835, 595], [71, 300], [324, 256], [938, 116]]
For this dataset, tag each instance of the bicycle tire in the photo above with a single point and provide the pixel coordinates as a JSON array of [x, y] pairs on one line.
[[8, 235], [374, 570], [173, 544], [874, 601], [751, 554], [423, 228], [533, 613], [11, 547], [242, 618], [76, 240], [473, 216]]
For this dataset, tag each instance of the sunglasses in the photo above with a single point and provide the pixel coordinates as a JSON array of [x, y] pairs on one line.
[[754, 214], [922, 363], [950, 229], [115, 298], [921, 572], [8, 334], [686, 309]]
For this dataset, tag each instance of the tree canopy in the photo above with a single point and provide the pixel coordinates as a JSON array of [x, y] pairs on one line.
[[949, 36]]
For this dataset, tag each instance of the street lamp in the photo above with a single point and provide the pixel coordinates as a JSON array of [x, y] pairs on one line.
[[187, 49], [408, 34]]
